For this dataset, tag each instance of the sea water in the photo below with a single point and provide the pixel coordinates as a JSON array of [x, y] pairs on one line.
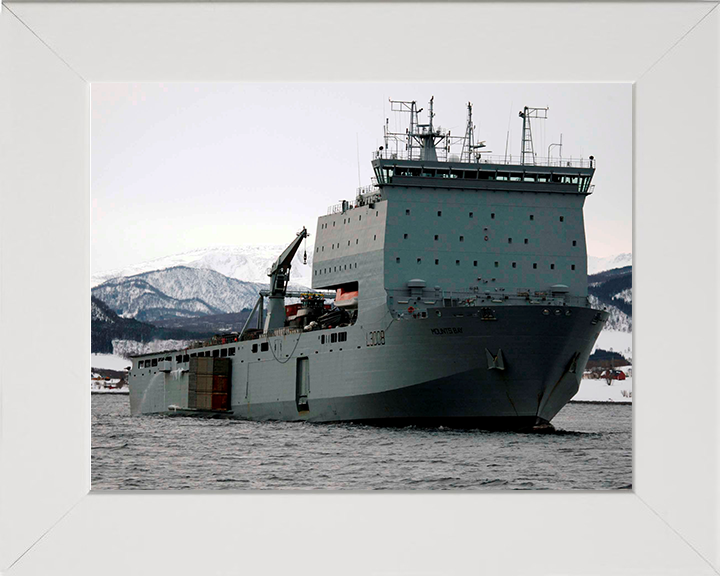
[[591, 450]]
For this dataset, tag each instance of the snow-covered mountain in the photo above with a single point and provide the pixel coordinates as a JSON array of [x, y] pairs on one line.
[[596, 264], [611, 290], [178, 291], [247, 263]]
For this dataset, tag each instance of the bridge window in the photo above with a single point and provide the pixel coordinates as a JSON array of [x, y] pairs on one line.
[[154, 361], [178, 358], [216, 353], [223, 353], [186, 358], [254, 348], [322, 339], [333, 338]]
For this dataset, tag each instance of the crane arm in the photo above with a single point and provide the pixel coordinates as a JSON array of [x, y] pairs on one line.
[[280, 270]]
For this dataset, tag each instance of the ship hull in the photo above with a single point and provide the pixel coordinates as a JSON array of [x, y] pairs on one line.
[[461, 367]]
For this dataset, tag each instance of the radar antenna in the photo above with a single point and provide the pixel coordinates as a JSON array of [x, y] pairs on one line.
[[527, 141]]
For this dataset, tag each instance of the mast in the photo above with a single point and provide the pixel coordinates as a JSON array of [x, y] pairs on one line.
[[527, 141]]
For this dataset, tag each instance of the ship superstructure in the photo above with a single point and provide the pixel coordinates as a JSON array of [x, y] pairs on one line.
[[460, 287]]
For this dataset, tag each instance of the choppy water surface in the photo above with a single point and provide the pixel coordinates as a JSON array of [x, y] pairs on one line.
[[592, 450]]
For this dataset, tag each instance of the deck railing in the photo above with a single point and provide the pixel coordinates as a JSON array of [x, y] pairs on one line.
[[509, 159]]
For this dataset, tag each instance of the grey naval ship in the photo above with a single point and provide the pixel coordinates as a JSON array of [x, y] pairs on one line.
[[452, 291]]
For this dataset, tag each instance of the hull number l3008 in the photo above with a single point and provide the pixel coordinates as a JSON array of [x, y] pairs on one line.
[[376, 338]]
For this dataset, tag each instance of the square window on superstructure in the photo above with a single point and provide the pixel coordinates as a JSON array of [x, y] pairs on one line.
[[514, 264], [492, 216], [552, 266], [178, 358], [186, 358], [471, 214], [437, 261], [532, 217], [436, 236], [439, 212], [407, 212], [462, 238], [216, 353], [457, 262], [322, 339], [475, 263], [342, 336], [419, 260], [154, 361], [140, 364], [509, 240], [572, 267], [534, 265], [264, 347], [223, 353], [562, 218], [574, 242], [405, 236], [497, 264], [397, 260], [254, 348], [526, 240], [231, 351]]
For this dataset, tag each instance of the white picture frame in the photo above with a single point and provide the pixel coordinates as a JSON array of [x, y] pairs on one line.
[[51, 53]]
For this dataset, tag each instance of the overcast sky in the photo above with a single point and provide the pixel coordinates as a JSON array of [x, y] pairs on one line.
[[177, 167]]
